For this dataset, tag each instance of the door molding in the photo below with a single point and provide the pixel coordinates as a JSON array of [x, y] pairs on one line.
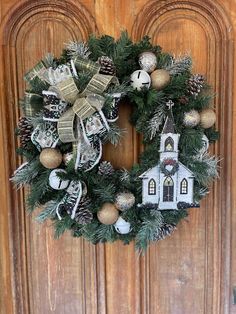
[[25, 15]]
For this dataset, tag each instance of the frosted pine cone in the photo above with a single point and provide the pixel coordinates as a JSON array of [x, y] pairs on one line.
[[164, 231], [105, 168], [195, 84], [107, 65], [84, 215], [25, 131]]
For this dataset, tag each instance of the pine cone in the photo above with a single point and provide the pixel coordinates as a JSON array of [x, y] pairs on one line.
[[183, 100], [164, 231], [105, 168], [195, 84], [107, 65], [25, 130], [84, 215]]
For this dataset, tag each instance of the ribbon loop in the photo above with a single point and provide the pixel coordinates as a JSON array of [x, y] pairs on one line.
[[66, 127], [32, 104], [98, 84], [85, 64]]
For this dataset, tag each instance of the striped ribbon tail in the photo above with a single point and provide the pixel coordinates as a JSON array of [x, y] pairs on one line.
[[33, 103], [66, 127]]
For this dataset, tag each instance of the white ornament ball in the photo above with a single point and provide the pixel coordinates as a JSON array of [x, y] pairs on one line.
[[191, 118], [122, 226], [148, 61], [140, 79], [56, 182], [124, 200]]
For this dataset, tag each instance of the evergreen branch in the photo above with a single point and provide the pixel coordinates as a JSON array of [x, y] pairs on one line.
[[39, 187], [48, 60], [153, 126], [78, 49], [148, 229], [48, 212], [62, 225], [179, 65], [24, 175], [104, 192], [114, 134]]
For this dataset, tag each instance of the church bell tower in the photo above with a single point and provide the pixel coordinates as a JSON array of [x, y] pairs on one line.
[[169, 137]]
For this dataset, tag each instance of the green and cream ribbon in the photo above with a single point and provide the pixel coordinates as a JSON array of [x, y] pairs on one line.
[[99, 83], [89, 102], [38, 71], [82, 64], [32, 104]]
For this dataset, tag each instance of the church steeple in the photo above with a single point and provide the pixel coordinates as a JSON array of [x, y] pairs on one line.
[[169, 126], [169, 137]]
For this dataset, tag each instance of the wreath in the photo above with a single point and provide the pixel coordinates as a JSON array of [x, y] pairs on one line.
[[70, 111], [169, 166]]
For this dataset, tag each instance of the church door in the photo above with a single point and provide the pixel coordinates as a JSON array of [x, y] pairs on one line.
[[168, 190]]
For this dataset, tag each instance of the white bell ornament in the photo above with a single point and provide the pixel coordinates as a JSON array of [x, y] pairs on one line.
[[122, 226]]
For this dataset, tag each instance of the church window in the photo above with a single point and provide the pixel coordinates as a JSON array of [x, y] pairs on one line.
[[169, 144], [184, 187], [152, 187], [168, 190]]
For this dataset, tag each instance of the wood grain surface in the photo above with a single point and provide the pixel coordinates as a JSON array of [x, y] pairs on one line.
[[194, 271]]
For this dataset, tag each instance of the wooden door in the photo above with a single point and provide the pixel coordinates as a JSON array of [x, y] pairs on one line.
[[194, 271]]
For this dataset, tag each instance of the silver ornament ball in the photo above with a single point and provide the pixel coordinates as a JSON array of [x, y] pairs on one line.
[[56, 182], [191, 118], [122, 226], [124, 200], [140, 79], [148, 61]]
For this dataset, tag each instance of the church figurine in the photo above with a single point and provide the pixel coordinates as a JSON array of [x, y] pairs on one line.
[[169, 184]]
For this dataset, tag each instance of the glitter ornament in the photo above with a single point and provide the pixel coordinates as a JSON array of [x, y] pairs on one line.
[[67, 157], [108, 214], [122, 226], [160, 79], [50, 158], [191, 118], [56, 182], [207, 118], [140, 79], [148, 61], [124, 200]]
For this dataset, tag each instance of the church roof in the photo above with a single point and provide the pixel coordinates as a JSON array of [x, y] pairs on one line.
[[145, 175], [169, 126]]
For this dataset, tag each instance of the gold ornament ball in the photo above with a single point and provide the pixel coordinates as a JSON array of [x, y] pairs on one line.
[[108, 214], [160, 79], [207, 118], [124, 200], [191, 118], [50, 158]]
